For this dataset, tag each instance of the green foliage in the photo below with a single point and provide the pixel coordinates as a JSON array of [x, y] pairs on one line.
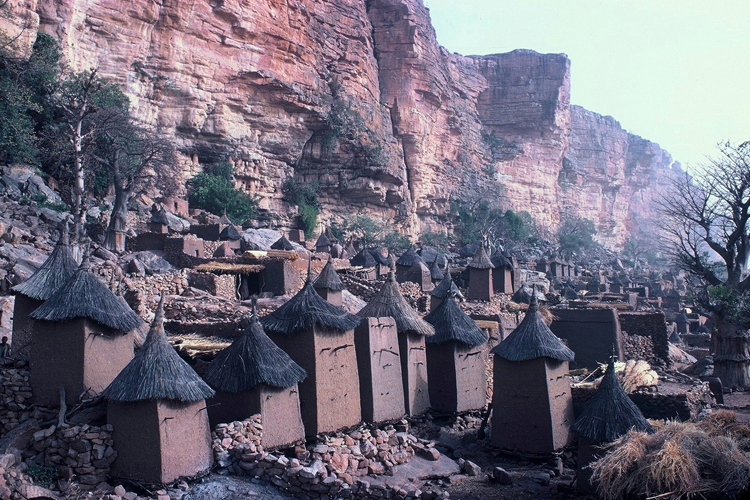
[[479, 220], [576, 234], [213, 190], [374, 232], [42, 475], [42, 202], [305, 196], [733, 305], [502, 149], [439, 240]]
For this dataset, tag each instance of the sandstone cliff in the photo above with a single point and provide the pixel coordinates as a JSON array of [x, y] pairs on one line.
[[359, 97]]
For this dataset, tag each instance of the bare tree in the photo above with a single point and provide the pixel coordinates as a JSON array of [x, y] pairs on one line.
[[707, 225], [132, 157]]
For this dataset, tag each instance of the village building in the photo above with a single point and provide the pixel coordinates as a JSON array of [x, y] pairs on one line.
[[456, 359], [421, 275], [364, 265], [177, 206], [82, 339], [231, 236], [405, 263], [224, 251], [319, 337], [412, 329], [531, 402], [436, 274], [329, 285], [382, 260], [441, 291], [616, 285], [480, 276], [157, 408], [251, 376], [607, 416], [502, 274], [323, 245], [380, 378], [59, 267], [682, 322], [159, 223], [282, 244]]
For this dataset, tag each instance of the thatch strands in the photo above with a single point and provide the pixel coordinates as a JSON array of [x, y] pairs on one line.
[[409, 258], [253, 359], [445, 286], [435, 272], [680, 460], [157, 372], [323, 241], [500, 261], [59, 267], [306, 309], [282, 244], [389, 302], [328, 278], [379, 256], [363, 259], [610, 413], [481, 260], [453, 325], [229, 233], [84, 296], [230, 268], [533, 339], [159, 216]]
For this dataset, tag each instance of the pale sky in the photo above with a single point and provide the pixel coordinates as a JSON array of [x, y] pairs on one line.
[[676, 72]]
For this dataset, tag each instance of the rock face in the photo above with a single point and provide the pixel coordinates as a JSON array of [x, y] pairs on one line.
[[360, 98]]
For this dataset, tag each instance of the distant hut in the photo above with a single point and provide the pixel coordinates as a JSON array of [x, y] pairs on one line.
[[569, 293], [159, 223], [524, 294], [683, 323], [430, 254], [381, 258], [282, 244], [411, 341], [323, 245], [82, 338], [224, 220], [607, 416], [480, 276], [531, 401], [328, 285], [253, 375], [363, 259], [224, 250], [615, 285], [421, 275], [158, 410], [456, 359], [337, 251], [556, 266], [331, 237], [543, 265], [319, 337], [349, 250], [446, 286], [405, 263], [502, 274], [59, 267], [231, 236], [436, 274]]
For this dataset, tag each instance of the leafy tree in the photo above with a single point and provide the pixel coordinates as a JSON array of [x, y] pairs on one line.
[[706, 220], [213, 190], [375, 232], [439, 240], [575, 235], [305, 196], [480, 221]]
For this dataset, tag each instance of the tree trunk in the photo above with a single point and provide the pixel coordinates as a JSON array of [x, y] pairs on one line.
[[79, 188], [115, 238], [730, 343]]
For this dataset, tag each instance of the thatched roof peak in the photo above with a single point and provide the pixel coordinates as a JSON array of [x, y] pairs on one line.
[[445, 286], [377, 254], [453, 325], [230, 233], [533, 339], [253, 359], [682, 318], [435, 272], [59, 267], [328, 278], [323, 241], [85, 296], [500, 261], [363, 259], [609, 414], [390, 302], [282, 244], [409, 258], [158, 215], [481, 260], [157, 372]]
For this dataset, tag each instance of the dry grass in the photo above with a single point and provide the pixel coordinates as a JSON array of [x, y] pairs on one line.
[[680, 460]]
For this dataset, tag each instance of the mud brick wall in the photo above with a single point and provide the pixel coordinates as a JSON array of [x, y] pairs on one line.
[[221, 285]]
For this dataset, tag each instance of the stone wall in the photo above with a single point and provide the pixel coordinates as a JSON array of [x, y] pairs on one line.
[[15, 398], [652, 325]]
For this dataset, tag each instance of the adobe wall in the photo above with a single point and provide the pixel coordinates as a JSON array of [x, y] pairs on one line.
[[471, 376], [106, 353], [480, 284], [56, 359], [227, 407], [136, 438], [589, 333], [23, 325], [441, 374], [185, 439], [412, 352], [280, 415]]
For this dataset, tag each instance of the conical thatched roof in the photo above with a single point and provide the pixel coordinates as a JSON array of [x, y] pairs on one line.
[[328, 278], [363, 259], [429, 254], [452, 324], [610, 413], [500, 261], [59, 267], [389, 302], [570, 293], [282, 244], [523, 295], [323, 241], [306, 309], [224, 250], [229, 233], [445, 286], [84, 296], [703, 329], [533, 339], [377, 254], [251, 360], [682, 318], [615, 280], [481, 260], [159, 216], [329, 234], [157, 372], [409, 258], [435, 272]]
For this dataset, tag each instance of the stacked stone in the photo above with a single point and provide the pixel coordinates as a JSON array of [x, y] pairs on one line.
[[12, 481], [81, 451], [362, 288], [639, 347], [15, 398]]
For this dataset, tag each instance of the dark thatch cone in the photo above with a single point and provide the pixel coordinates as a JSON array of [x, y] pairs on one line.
[[157, 372], [230, 233], [452, 324], [533, 339], [85, 296], [59, 267], [308, 308], [328, 278], [609, 414], [409, 258], [363, 259], [282, 244], [445, 286], [435, 272], [253, 359], [389, 302], [481, 260], [323, 241]]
